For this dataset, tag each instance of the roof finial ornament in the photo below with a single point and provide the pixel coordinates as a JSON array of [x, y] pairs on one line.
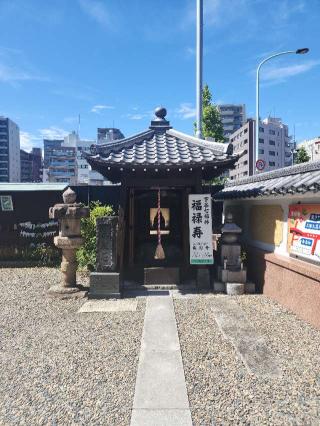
[[160, 112], [159, 122]]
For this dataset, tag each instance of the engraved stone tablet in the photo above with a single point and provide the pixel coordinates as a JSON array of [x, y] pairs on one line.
[[107, 228]]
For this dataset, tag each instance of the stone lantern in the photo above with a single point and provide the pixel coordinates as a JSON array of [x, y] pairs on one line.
[[232, 274], [69, 215]]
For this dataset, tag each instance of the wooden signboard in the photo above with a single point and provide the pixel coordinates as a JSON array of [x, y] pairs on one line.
[[200, 229]]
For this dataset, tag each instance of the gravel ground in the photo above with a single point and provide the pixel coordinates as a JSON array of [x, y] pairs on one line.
[[59, 367], [221, 390]]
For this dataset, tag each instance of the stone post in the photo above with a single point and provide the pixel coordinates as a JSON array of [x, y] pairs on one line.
[[69, 215], [105, 282]]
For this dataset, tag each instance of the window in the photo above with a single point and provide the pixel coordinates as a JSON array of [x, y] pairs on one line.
[[261, 129], [272, 153], [261, 140], [245, 141], [261, 151], [272, 132], [245, 162], [245, 174], [272, 142], [245, 130], [272, 163]]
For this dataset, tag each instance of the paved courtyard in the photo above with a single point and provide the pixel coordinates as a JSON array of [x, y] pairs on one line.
[[61, 367]]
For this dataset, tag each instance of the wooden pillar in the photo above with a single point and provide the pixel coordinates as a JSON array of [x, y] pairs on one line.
[[122, 226], [131, 226], [198, 182], [185, 232]]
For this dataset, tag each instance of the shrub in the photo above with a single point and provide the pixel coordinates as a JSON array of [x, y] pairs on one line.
[[86, 255], [44, 254]]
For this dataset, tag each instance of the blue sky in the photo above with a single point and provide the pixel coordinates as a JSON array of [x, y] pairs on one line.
[[114, 61]]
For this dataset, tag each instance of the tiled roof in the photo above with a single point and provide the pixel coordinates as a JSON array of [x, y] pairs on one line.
[[161, 147], [297, 179]]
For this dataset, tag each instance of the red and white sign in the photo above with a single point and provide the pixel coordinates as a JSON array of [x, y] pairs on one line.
[[304, 231], [260, 164]]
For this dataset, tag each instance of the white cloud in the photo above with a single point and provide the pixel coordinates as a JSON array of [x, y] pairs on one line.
[[136, 116], [11, 75], [190, 51], [53, 132], [98, 108], [282, 73], [28, 141], [96, 10], [215, 12], [185, 111], [71, 120]]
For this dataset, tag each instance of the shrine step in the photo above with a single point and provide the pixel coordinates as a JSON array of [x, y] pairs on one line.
[[161, 276], [129, 285]]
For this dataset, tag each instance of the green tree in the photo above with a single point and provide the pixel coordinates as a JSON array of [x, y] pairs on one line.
[[86, 255], [211, 120], [302, 156]]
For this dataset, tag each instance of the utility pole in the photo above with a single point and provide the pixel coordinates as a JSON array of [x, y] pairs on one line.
[[199, 54]]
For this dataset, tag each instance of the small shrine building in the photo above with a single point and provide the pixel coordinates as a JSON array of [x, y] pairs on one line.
[[158, 167]]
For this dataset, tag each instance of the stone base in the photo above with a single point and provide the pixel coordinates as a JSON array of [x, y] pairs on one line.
[[105, 285], [203, 278], [60, 292], [250, 288], [229, 276], [219, 287], [161, 276], [234, 289]]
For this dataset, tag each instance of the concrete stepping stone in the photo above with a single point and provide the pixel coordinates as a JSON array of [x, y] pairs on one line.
[[249, 344], [109, 306], [160, 393]]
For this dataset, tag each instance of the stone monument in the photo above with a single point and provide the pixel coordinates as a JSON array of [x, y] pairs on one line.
[[232, 274], [105, 282], [69, 215]]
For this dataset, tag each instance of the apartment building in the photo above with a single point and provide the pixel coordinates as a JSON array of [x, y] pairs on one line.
[[233, 116], [312, 146], [9, 151], [275, 147], [31, 165]]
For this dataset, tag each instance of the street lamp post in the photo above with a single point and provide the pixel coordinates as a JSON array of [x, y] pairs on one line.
[[297, 52]]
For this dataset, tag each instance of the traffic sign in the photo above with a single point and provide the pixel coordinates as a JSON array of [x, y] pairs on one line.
[[260, 164]]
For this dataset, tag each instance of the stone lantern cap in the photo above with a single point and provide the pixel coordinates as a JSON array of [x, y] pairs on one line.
[[70, 209], [229, 226]]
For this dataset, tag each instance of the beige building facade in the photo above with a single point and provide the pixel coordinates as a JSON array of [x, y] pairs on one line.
[[275, 147]]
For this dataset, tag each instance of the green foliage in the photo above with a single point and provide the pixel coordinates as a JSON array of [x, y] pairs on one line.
[[302, 156], [86, 255], [211, 120], [41, 254], [44, 254], [219, 180]]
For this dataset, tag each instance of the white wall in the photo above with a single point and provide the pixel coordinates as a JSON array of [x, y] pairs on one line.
[[282, 201]]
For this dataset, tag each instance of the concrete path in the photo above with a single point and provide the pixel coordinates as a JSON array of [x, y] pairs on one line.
[[160, 395], [251, 346]]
